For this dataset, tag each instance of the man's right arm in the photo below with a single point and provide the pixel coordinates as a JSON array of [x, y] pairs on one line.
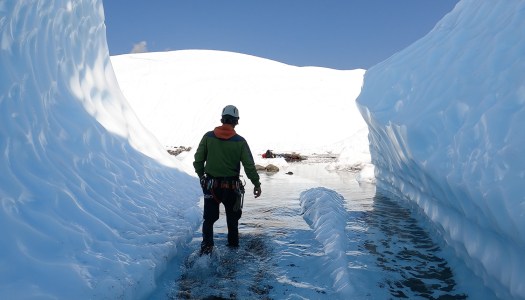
[[200, 157]]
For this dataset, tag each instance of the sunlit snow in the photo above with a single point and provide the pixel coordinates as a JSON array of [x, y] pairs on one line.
[[276, 100]]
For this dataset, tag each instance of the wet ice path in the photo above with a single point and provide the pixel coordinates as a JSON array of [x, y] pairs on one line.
[[389, 255]]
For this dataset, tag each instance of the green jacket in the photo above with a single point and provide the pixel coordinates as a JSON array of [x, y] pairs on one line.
[[221, 152]]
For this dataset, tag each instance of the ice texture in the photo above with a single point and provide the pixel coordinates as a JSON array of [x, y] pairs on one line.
[[446, 118]]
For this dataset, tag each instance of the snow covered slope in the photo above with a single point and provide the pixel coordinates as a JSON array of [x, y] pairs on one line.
[[179, 95], [446, 119]]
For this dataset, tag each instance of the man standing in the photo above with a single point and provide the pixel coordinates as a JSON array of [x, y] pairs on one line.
[[218, 164]]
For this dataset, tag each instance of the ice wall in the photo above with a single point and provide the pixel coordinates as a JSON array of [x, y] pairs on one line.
[[446, 118], [83, 213]]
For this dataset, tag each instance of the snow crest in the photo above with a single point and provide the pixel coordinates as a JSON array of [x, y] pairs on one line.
[[324, 211]]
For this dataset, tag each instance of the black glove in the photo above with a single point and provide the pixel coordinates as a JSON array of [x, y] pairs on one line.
[[203, 181], [257, 191]]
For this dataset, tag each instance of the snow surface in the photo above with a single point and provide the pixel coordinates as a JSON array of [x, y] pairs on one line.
[[283, 108], [446, 118], [94, 207]]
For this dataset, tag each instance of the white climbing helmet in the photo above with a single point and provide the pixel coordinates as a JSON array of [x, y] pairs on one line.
[[231, 111]]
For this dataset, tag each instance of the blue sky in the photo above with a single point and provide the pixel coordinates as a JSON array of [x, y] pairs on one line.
[[339, 34]]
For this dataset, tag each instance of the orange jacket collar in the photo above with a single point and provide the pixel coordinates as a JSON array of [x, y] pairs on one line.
[[225, 131]]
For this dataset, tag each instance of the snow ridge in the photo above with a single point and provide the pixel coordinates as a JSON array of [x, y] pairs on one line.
[[324, 212]]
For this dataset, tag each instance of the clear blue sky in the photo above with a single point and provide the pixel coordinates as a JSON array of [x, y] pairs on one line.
[[339, 34]]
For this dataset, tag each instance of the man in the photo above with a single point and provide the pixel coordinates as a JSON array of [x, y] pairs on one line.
[[218, 164]]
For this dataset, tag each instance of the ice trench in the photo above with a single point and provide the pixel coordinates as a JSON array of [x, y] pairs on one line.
[[385, 249], [54, 52]]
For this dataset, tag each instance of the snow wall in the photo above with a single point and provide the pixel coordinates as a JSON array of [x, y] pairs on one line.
[[446, 118], [83, 213]]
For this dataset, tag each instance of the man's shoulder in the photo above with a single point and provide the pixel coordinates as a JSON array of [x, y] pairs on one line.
[[237, 137]]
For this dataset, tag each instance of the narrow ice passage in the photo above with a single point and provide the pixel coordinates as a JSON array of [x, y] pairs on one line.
[[369, 248]]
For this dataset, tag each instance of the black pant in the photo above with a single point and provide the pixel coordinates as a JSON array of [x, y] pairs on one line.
[[226, 196]]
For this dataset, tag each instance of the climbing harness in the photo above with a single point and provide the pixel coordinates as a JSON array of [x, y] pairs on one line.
[[209, 184]]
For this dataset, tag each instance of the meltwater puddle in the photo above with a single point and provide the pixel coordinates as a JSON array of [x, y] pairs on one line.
[[397, 256]]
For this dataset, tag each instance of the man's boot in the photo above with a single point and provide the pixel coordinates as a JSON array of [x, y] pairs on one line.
[[206, 249]]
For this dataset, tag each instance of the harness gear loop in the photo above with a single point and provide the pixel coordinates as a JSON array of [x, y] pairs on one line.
[[240, 188]]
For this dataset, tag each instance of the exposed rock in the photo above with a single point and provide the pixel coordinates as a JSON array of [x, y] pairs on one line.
[[272, 168], [290, 157], [268, 168], [260, 168], [178, 150]]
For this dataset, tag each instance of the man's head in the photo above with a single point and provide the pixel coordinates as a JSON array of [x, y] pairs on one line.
[[230, 115]]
